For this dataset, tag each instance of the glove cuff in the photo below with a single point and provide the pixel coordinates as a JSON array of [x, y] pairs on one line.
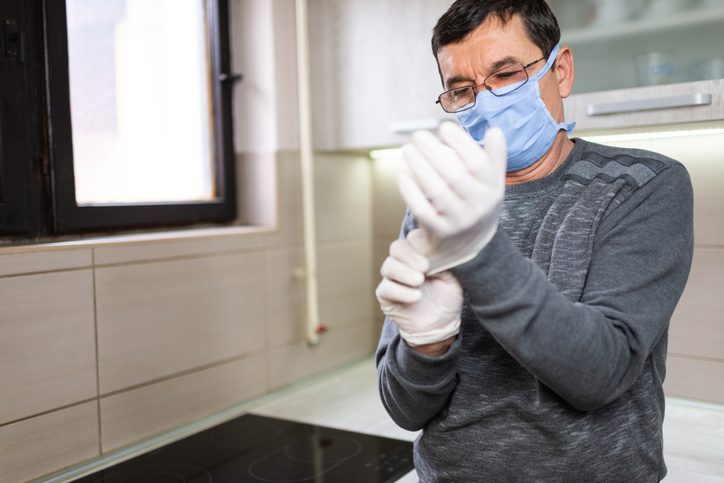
[[440, 262], [430, 337]]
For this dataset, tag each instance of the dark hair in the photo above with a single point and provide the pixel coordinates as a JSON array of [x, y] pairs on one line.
[[464, 16]]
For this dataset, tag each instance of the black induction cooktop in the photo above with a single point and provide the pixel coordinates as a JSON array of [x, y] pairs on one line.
[[252, 449]]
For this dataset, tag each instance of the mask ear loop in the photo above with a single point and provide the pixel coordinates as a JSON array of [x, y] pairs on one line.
[[549, 63]]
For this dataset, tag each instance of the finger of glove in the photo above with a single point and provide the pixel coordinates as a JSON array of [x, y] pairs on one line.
[[420, 241], [411, 253], [419, 205], [444, 160], [447, 277], [476, 159], [432, 182], [447, 285], [389, 291], [397, 271], [448, 166]]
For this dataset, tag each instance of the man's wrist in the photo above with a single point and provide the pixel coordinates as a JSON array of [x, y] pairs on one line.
[[436, 349]]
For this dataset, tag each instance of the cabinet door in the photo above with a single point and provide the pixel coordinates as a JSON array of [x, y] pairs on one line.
[[620, 44], [647, 106], [372, 66]]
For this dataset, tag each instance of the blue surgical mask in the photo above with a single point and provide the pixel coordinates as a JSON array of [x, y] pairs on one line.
[[523, 117]]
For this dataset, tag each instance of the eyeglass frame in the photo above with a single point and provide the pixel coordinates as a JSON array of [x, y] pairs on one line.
[[475, 88]]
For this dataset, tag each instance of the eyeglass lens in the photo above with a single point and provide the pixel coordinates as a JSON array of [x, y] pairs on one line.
[[506, 80], [500, 83]]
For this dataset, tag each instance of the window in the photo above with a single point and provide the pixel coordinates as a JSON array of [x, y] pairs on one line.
[[114, 114]]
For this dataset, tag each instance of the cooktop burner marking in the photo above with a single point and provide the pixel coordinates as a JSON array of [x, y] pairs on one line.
[[331, 449], [306, 456]]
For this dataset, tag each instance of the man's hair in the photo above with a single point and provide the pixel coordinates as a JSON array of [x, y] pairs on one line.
[[464, 16]]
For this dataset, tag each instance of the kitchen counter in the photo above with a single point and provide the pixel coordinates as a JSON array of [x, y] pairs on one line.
[[348, 399]]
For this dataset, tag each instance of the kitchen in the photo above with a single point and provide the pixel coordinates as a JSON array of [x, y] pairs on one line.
[[95, 365]]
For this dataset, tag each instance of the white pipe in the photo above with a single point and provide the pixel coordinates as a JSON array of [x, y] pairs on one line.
[[307, 165]]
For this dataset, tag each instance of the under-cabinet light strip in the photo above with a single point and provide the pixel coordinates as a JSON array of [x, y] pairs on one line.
[[608, 138], [612, 138], [395, 153], [386, 153]]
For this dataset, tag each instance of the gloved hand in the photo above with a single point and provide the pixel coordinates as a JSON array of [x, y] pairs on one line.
[[455, 194], [426, 310]]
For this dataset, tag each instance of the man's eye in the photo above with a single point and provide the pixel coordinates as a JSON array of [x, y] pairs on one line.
[[458, 93], [509, 74]]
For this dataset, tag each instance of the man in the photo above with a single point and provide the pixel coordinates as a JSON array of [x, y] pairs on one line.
[[530, 293]]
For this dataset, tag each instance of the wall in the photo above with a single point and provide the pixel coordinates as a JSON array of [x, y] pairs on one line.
[[388, 210], [105, 343]]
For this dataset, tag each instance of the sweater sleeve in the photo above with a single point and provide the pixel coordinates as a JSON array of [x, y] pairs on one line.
[[593, 350], [414, 388]]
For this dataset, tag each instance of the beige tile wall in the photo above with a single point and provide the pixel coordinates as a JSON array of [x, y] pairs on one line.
[[47, 342], [157, 319], [132, 415], [388, 210], [285, 314], [115, 342], [33, 447], [696, 337]]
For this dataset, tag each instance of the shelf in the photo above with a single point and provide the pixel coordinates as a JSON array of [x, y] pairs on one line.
[[644, 26]]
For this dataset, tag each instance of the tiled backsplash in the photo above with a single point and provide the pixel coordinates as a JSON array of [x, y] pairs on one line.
[[47, 342], [103, 345]]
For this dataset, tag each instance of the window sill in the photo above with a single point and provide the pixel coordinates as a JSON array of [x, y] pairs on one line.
[[140, 239]]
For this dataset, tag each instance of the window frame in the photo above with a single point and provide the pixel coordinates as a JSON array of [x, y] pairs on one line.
[[67, 215], [21, 147]]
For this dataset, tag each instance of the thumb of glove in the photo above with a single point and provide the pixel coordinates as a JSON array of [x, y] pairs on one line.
[[420, 241]]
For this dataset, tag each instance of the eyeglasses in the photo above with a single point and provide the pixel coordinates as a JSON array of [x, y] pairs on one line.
[[499, 83]]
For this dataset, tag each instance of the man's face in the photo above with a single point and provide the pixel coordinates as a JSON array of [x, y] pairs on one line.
[[491, 47]]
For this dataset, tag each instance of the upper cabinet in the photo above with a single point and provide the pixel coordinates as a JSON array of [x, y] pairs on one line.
[[619, 44], [638, 62], [649, 61]]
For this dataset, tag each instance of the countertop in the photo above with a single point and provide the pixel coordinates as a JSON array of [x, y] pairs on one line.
[[348, 399]]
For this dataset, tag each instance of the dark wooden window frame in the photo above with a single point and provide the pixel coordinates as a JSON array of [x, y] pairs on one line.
[[21, 143], [37, 183]]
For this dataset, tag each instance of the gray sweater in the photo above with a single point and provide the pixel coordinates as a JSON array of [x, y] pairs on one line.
[[556, 375]]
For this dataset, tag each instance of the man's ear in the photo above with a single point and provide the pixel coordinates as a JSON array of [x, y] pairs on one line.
[[565, 71]]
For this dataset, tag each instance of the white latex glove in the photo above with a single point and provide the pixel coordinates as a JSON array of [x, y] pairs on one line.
[[425, 309], [455, 194]]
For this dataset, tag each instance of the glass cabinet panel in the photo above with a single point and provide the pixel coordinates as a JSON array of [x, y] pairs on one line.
[[619, 44]]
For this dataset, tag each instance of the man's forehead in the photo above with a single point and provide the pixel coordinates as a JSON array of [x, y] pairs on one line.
[[461, 65], [488, 48]]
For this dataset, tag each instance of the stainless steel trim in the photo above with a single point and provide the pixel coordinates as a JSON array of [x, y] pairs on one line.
[[649, 104]]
